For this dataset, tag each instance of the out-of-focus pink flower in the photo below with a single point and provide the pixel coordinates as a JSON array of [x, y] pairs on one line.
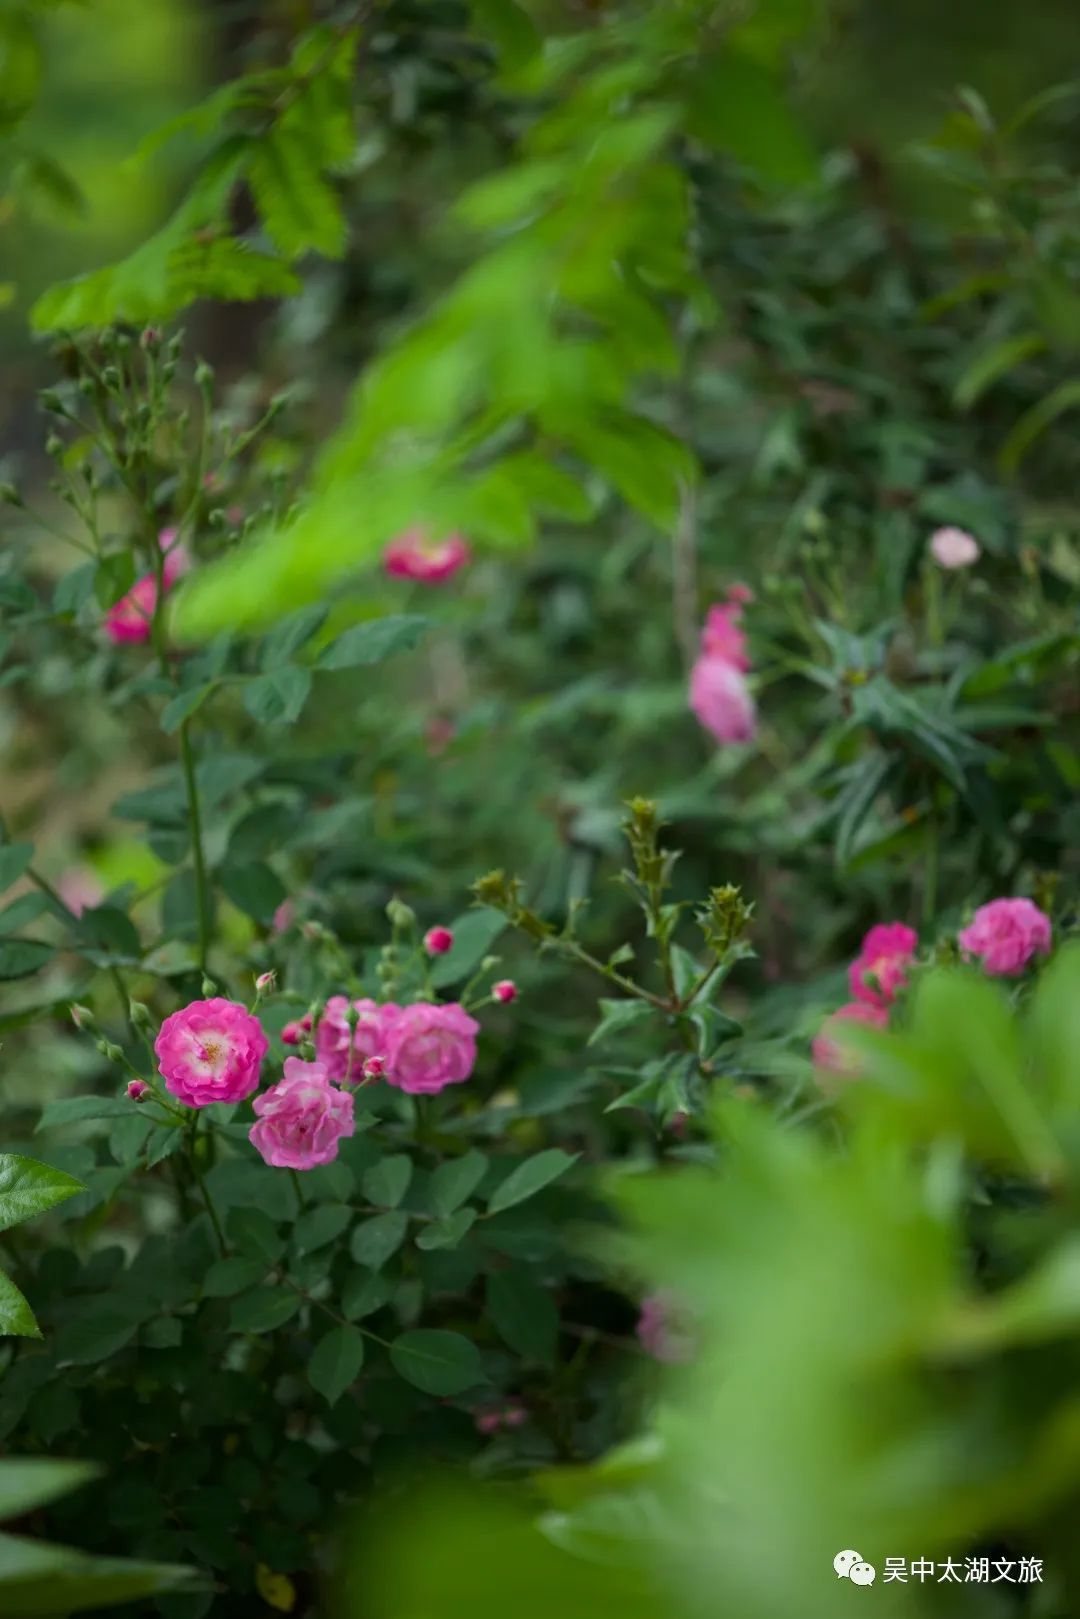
[[721, 699], [741, 595], [1006, 934], [723, 637], [488, 1422], [880, 969], [507, 1416], [831, 1054], [370, 1038], [439, 732], [505, 990], [430, 1047], [414, 556], [130, 619], [137, 1090], [210, 1051], [659, 1329], [80, 889], [437, 941], [954, 548], [302, 1118], [293, 1033], [265, 982], [284, 916], [374, 1067]]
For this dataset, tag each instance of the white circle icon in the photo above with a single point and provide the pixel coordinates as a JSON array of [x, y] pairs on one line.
[[862, 1574], [844, 1562]]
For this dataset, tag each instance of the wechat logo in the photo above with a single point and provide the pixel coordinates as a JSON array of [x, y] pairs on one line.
[[850, 1566]]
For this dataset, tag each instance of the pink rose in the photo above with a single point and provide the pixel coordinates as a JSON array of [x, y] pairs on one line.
[[369, 1038], [80, 889], [413, 556], [723, 637], [130, 618], [954, 548], [210, 1051], [431, 1047], [1006, 934], [302, 1118], [831, 1054], [284, 916], [721, 699], [659, 1332], [437, 941], [880, 969]]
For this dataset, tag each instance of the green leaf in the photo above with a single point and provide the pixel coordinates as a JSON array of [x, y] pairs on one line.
[[531, 1177], [376, 1239], [1034, 422], [37, 1578], [455, 1181], [227, 1277], [109, 937], [737, 106], [14, 859], [298, 206], [336, 1362], [447, 1233], [28, 1188], [373, 641], [278, 697], [19, 958], [255, 1234], [291, 634], [386, 1182], [165, 1333], [993, 362], [364, 1293], [316, 1227], [183, 705], [620, 1015], [79, 1109], [100, 1331], [27, 1482], [438, 1362], [255, 889], [16, 1316], [474, 934], [264, 1309], [524, 1315]]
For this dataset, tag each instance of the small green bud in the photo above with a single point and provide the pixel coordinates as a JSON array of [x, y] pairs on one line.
[[209, 988], [204, 374], [399, 914], [110, 1049], [140, 1014], [9, 495]]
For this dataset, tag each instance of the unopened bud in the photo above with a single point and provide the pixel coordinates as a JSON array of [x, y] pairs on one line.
[[265, 982], [139, 1014], [150, 338], [81, 1016], [209, 989], [437, 941], [399, 914], [374, 1067], [138, 1090], [505, 990], [110, 1049]]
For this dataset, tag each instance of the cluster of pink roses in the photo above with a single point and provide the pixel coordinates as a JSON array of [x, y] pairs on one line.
[[212, 1051], [1004, 935], [719, 694]]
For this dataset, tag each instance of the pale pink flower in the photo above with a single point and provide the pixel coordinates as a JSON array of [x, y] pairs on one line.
[[954, 548], [414, 556], [130, 619], [660, 1331], [831, 1053], [80, 889], [437, 941], [284, 916], [210, 1051], [369, 1039], [721, 699], [505, 990], [431, 1046], [879, 971], [302, 1118], [1006, 934]]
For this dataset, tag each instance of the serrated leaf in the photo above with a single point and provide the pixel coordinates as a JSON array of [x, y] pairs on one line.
[[455, 1181], [438, 1362], [28, 1188], [447, 1233], [297, 205], [619, 1015], [279, 696], [183, 705], [531, 1177], [371, 642], [336, 1362], [474, 934], [16, 1317]]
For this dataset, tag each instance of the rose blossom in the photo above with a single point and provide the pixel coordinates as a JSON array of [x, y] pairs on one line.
[[954, 548], [130, 618], [880, 968], [1006, 934], [721, 699], [369, 1038], [302, 1118], [430, 1047], [210, 1051], [414, 556], [830, 1053], [723, 636], [658, 1331], [437, 941], [505, 990], [137, 1090]]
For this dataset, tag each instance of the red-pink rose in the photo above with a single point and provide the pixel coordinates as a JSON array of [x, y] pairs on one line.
[[880, 969], [210, 1051], [1006, 934], [414, 556], [302, 1118], [369, 1038], [131, 618], [430, 1047]]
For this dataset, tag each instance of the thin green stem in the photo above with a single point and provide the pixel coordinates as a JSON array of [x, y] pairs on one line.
[[202, 893], [301, 1203], [208, 1202]]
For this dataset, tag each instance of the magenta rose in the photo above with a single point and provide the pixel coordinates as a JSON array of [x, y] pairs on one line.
[[431, 1047], [302, 1118], [879, 971], [210, 1051], [369, 1037], [1006, 934]]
